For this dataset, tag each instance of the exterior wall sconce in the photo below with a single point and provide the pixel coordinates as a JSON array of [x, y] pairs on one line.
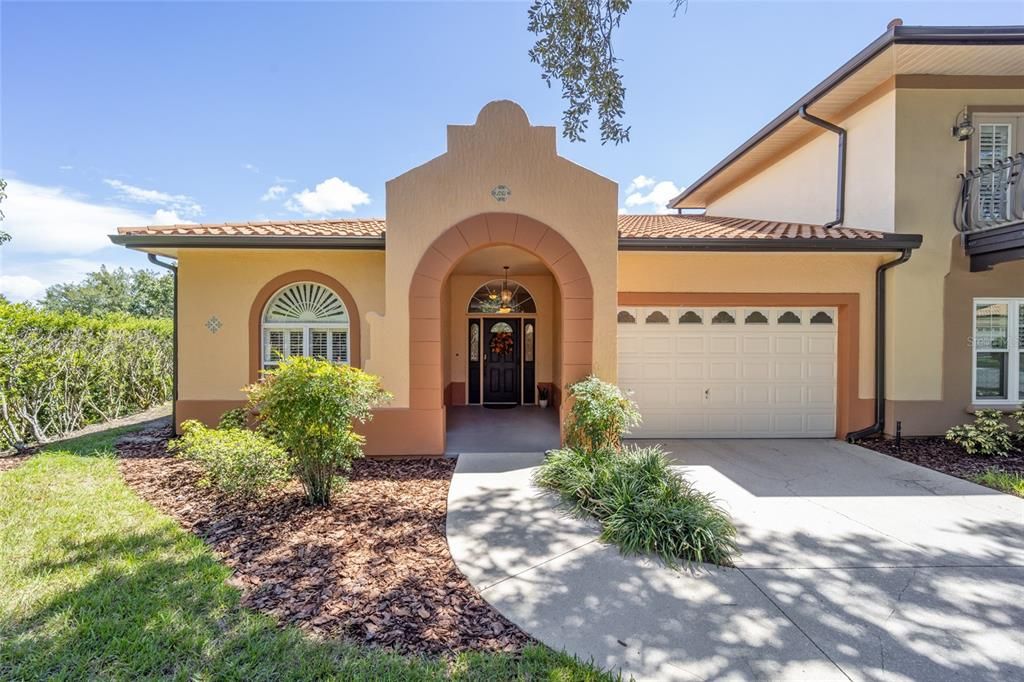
[[963, 128]]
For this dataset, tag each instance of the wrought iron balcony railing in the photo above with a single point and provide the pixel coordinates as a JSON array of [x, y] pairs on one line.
[[991, 196]]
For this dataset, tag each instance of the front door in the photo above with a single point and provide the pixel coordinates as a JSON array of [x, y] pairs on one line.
[[501, 360]]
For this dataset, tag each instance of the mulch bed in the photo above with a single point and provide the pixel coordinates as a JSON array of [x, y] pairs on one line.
[[949, 458], [374, 568], [8, 462]]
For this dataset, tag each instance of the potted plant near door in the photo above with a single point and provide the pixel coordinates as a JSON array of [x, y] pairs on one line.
[[542, 395]]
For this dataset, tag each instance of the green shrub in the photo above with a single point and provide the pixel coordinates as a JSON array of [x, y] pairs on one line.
[[1017, 417], [62, 371], [600, 415], [237, 418], [238, 462], [988, 435], [311, 406], [643, 506]]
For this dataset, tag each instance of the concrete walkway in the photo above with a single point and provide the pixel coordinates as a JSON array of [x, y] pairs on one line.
[[856, 566]]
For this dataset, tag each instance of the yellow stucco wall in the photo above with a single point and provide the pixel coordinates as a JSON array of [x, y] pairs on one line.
[[224, 283], [461, 289], [927, 161], [501, 148], [801, 187], [847, 273]]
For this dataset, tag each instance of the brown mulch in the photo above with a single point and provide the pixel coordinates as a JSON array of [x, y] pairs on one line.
[[374, 567], [8, 462], [949, 458]]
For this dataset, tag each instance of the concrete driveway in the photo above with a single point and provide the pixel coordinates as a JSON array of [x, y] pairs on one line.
[[855, 566]]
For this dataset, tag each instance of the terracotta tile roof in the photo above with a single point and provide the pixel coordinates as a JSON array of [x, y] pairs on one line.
[[674, 226], [353, 227], [654, 227]]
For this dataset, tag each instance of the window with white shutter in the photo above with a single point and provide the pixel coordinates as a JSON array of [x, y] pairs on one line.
[[994, 144], [996, 138], [305, 319]]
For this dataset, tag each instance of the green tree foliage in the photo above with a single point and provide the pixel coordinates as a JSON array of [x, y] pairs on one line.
[[62, 371], [310, 407], [574, 47], [4, 236], [139, 293]]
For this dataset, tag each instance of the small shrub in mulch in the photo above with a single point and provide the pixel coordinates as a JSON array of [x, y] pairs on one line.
[[949, 458], [373, 568]]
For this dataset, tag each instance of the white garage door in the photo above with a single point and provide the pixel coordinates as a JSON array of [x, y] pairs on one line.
[[730, 372]]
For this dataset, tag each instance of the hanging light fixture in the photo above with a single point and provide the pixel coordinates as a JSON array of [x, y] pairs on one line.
[[506, 295]]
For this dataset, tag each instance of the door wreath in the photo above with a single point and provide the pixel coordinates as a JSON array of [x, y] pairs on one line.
[[502, 343]]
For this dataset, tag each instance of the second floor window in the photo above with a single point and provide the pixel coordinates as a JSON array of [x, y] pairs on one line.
[[998, 136]]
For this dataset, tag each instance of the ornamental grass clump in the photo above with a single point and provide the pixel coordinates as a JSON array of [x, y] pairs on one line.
[[238, 462], [311, 407], [642, 504]]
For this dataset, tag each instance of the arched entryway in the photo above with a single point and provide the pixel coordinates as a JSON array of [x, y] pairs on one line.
[[440, 346]]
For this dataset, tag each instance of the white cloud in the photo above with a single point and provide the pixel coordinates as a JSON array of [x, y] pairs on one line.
[[639, 182], [273, 192], [177, 202], [250, 167], [43, 274], [333, 195], [19, 288], [165, 216], [48, 220], [66, 168], [654, 200]]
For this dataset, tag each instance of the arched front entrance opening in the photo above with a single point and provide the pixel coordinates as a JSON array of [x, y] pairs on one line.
[[553, 326]]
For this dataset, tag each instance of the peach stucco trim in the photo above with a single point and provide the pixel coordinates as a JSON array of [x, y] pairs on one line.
[[283, 280], [852, 412], [426, 390]]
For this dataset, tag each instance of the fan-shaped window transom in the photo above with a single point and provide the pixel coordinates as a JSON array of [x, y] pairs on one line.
[[305, 319], [502, 297]]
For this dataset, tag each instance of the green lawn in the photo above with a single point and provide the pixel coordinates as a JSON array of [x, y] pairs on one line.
[[96, 583], [1004, 481]]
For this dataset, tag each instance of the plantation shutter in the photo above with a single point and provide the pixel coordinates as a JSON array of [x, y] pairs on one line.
[[994, 144], [273, 345], [339, 346]]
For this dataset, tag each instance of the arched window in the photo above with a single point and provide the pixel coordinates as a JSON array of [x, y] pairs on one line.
[[305, 318], [502, 298]]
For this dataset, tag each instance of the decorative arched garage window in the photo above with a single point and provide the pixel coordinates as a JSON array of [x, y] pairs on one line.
[[305, 318]]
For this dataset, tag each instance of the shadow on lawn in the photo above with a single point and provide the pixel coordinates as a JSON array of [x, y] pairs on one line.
[[883, 609], [156, 605]]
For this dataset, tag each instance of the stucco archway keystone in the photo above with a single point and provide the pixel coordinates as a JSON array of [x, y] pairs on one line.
[[426, 378]]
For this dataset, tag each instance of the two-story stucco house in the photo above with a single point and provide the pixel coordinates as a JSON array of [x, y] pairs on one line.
[[826, 288]]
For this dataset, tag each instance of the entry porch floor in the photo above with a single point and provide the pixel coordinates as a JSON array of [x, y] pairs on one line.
[[523, 428]]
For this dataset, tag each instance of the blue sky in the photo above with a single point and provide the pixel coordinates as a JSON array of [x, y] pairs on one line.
[[128, 113]]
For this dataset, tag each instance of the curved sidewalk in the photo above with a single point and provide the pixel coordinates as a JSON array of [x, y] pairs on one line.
[[856, 566]]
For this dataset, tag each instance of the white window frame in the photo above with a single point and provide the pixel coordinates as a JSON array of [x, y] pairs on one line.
[[1014, 320], [305, 327]]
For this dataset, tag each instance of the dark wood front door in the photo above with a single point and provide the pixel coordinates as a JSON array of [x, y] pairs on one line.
[[501, 360]]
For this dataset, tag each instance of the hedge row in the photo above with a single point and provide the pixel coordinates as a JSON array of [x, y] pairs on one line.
[[62, 371]]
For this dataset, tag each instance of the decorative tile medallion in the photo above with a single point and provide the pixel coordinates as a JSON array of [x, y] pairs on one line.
[[501, 193], [214, 324]]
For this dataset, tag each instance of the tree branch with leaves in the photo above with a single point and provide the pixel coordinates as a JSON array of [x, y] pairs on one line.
[[574, 47]]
